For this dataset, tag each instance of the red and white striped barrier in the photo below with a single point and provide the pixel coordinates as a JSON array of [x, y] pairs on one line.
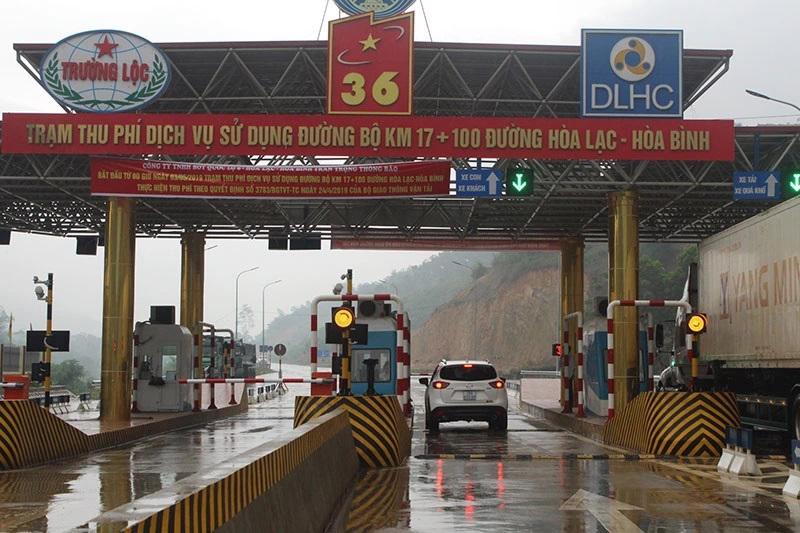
[[578, 315], [610, 321], [217, 381], [403, 339], [651, 351]]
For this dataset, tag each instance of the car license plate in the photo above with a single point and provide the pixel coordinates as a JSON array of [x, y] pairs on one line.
[[469, 395]]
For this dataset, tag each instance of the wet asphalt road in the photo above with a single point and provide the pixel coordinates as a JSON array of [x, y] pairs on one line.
[[554, 492], [532, 483]]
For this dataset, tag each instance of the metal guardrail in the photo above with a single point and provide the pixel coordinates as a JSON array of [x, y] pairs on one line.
[[547, 374]]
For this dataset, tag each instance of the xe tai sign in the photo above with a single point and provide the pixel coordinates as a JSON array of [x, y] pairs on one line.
[[631, 73], [403, 137], [135, 177], [105, 71]]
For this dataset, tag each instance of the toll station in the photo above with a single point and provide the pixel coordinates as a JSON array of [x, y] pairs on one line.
[[294, 143]]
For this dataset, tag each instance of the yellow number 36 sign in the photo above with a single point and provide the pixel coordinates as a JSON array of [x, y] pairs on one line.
[[370, 65]]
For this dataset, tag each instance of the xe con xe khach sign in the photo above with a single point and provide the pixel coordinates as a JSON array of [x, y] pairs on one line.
[[405, 137], [128, 177]]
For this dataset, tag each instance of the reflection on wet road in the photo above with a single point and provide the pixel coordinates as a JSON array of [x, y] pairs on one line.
[[536, 485], [527, 479], [67, 494]]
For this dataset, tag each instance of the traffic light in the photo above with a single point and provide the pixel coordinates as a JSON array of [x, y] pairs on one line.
[[344, 317], [519, 182], [697, 323], [557, 350], [39, 371]]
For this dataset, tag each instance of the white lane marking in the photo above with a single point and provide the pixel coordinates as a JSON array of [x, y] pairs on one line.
[[607, 511]]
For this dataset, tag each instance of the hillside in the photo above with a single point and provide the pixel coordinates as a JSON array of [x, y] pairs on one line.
[[423, 288]]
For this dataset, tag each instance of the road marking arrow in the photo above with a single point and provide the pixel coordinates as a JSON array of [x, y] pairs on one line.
[[493, 181], [607, 511], [519, 183], [795, 183], [771, 182]]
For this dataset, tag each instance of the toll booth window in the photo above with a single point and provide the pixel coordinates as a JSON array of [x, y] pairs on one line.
[[383, 370], [468, 372], [169, 360]]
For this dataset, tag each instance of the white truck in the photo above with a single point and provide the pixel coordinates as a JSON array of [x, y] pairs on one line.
[[749, 286]]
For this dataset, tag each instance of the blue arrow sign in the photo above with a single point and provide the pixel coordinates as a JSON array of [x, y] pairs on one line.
[[757, 185], [479, 182]]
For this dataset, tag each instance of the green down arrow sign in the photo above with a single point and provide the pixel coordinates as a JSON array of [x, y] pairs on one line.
[[794, 181], [519, 182]]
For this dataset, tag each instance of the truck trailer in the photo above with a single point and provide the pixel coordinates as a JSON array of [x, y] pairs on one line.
[[749, 286]]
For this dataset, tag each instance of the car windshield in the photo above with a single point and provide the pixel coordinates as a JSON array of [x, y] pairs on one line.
[[468, 372]]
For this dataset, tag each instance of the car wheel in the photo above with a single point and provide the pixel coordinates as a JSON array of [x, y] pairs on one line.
[[500, 423]]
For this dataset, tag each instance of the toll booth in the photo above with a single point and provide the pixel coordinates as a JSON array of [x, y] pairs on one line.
[[381, 345], [163, 353]]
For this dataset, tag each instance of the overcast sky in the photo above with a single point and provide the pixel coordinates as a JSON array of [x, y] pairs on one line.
[[762, 35]]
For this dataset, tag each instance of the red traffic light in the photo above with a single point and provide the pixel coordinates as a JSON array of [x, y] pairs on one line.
[[558, 351]]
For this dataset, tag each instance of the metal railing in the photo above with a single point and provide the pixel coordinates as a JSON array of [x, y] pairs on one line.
[[548, 374]]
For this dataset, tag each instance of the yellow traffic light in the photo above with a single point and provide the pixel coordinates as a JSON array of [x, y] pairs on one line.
[[697, 323], [344, 318]]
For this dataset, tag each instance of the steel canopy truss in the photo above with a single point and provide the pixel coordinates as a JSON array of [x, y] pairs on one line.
[[680, 201]]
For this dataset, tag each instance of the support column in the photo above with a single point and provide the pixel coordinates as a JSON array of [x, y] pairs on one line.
[[192, 292], [623, 284], [118, 286], [192, 278], [572, 251]]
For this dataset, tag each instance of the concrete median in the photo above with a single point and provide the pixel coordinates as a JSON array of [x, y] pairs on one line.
[[294, 483]]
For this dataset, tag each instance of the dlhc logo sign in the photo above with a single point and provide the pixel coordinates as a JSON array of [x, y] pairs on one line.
[[631, 73]]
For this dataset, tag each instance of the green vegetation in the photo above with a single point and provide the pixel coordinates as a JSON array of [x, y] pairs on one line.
[[72, 375]]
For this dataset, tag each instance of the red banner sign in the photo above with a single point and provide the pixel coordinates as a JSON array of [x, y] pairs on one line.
[[370, 65], [441, 244], [129, 177], [363, 136]]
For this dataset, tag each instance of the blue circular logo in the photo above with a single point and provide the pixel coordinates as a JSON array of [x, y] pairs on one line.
[[381, 8]]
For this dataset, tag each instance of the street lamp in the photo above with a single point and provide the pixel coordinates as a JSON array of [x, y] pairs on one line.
[[263, 326], [236, 327], [765, 97]]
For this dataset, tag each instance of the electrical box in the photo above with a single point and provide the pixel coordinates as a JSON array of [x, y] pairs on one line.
[[164, 353]]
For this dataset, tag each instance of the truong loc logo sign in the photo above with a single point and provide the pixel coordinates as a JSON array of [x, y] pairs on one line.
[[105, 71], [633, 73]]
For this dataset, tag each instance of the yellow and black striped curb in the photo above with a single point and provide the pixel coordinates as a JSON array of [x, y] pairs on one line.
[[684, 424], [378, 499], [542, 456], [380, 431], [30, 435], [207, 500]]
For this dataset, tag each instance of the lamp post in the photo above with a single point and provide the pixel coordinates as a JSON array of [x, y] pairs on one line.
[[765, 97], [236, 327], [263, 326]]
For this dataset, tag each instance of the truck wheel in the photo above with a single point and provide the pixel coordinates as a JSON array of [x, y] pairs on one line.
[[794, 418]]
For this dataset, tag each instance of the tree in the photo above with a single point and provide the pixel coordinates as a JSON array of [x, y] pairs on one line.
[[246, 321], [72, 375]]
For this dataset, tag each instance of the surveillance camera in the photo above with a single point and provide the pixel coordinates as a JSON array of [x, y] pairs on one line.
[[343, 276], [39, 292], [338, 288], [36, 279]]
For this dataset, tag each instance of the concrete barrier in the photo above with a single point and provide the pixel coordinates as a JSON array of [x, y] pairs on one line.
[[684, 424], [294, 483], [381, 432]]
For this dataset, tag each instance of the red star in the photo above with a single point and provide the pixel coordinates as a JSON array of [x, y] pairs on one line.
[[105, 48]]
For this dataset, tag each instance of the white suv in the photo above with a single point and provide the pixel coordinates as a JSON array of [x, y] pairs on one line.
[[465, 390]]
